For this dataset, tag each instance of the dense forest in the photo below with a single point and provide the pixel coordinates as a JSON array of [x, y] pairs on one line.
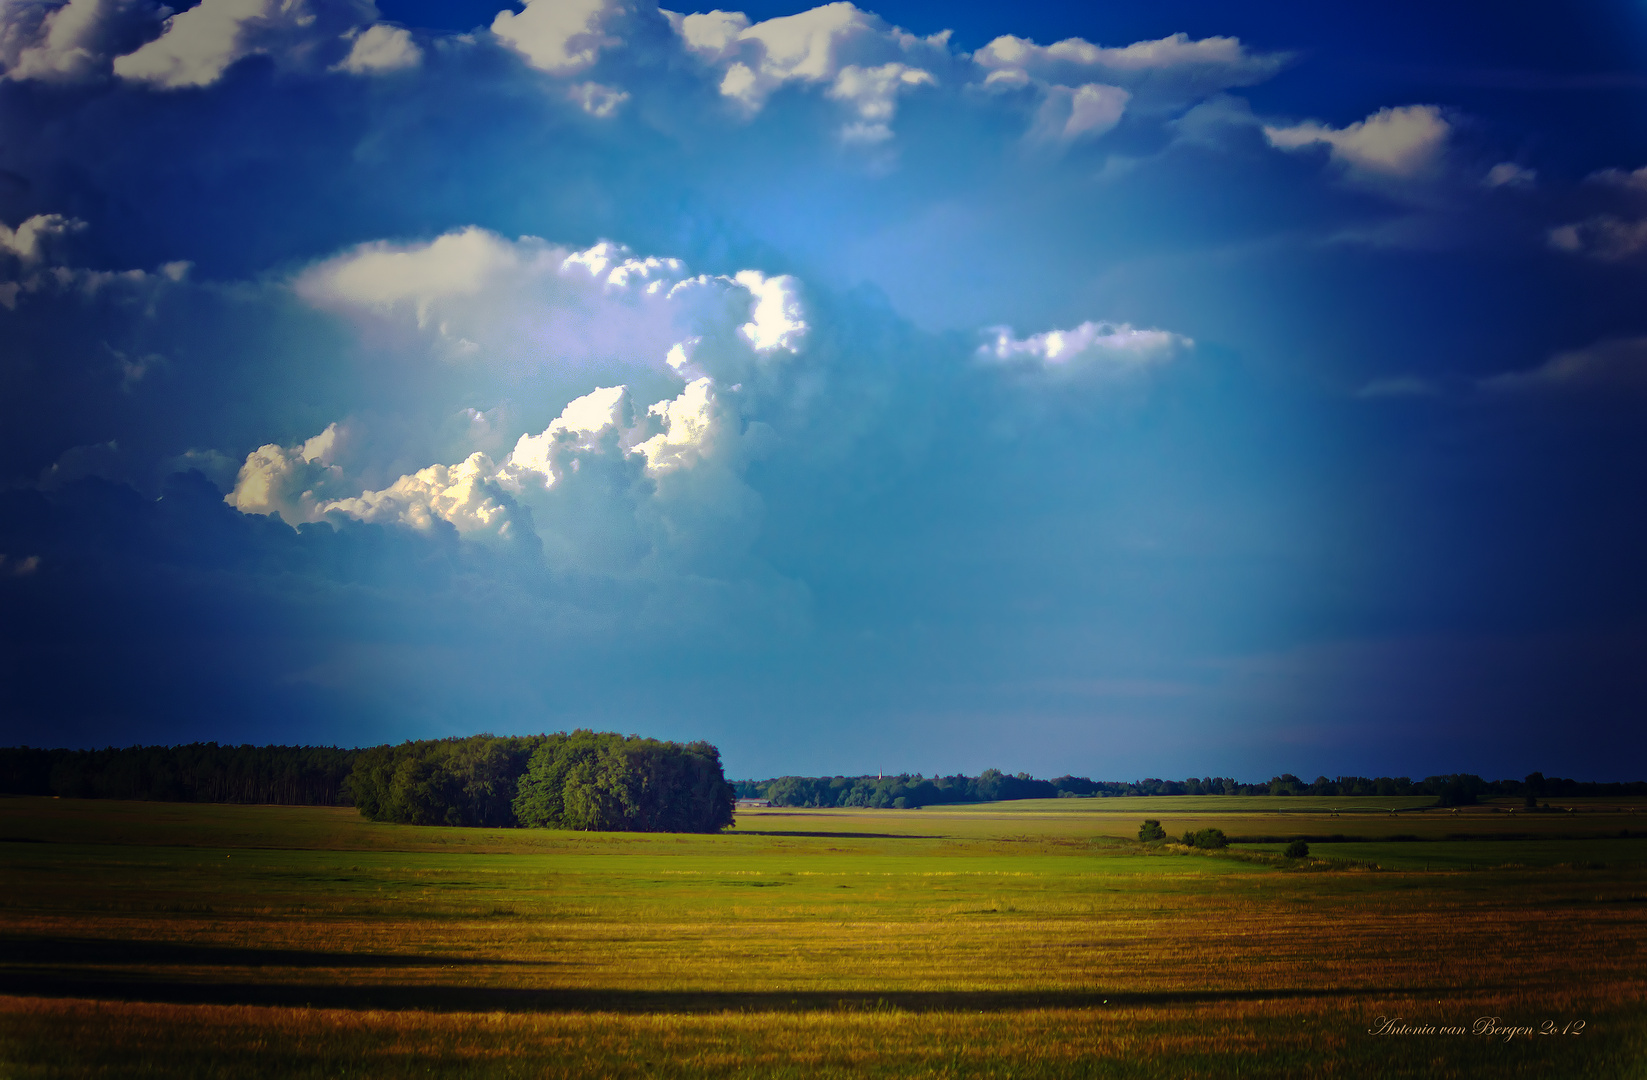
[[911, 790], [195, 772]]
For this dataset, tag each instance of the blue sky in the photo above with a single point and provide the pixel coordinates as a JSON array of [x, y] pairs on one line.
[[1156, 389]]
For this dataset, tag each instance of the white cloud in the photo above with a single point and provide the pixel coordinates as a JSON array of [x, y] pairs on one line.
[[1509, 174], [379, 49], [200, 44], [64, 41], [775, 318], [598, 480], [562, 37], [1609, 237], [28, 243], [1105, 348], [872, 93], [27, 251], [1619, 363], [609, 482], [1067, 114], [382, 275], [597, 100], [1401, 142], [1174, 68], [592, 423], [1605, 236], [690, 425], [1085, 89], [293, 482], [862, 62], [1619, 178], [527, 305], [466, 495]]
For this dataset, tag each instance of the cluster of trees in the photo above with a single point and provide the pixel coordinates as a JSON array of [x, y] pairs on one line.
[[912, 790], [586, 780], [196, 772], [1151, 832]]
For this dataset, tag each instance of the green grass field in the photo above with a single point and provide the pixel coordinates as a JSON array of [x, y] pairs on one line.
[[1015, 939]]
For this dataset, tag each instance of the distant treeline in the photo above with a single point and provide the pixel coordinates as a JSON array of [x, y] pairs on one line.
[[585, 780], [908, 790], [196, 772], [588, 780]]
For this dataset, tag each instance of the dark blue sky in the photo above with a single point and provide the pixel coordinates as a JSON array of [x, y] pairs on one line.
[[1114, 390]]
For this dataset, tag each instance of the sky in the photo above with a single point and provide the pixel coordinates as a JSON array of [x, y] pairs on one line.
[[1116, 390]]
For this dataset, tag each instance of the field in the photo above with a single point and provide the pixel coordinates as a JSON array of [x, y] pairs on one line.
[[1033, 939]]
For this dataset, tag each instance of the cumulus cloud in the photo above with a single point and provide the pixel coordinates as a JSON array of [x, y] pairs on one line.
[[596, 99], [464, 495], [1609, 236], [1400, 143], [292, 482], [380, 49], [527, 304], [1614, 364], [29, 256], [28, 242], [562, 37], [1173, 68], [1070, 113], [594, 483], [872, 94], [67, 42], [1606, 237], [860, 60], [1634, 181], [1509, 174], [1098, 347], [199, 45], [610, 482]]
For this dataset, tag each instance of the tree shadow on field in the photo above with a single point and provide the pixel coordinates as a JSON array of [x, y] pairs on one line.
[[437, 998], [50, 951], [835, 835]]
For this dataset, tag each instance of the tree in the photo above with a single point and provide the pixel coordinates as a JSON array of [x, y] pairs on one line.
[[1150, 831], [1298, 849]]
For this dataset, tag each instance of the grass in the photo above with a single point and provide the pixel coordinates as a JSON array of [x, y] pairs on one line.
[[1028, 939]]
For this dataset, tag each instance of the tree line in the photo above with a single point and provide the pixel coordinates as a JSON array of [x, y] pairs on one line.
[[909, 790], [589, 780]]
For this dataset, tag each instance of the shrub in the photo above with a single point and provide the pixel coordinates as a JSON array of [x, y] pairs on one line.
[[1210, 838], [1298, 850], [1151, 831]]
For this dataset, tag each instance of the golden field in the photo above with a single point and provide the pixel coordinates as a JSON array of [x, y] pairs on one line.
[[1011, 939]]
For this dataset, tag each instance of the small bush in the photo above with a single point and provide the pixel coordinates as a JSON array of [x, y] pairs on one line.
[[1151, 831], [1298, 850], [1208, 838]]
